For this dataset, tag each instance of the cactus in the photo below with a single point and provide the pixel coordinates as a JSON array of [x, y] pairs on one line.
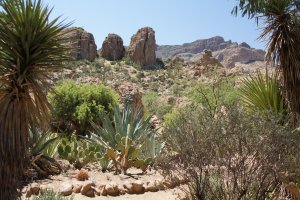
[[78, 152], [129, 141]]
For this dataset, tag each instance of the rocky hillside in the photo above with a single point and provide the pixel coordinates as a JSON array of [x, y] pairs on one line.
[[227, 52]]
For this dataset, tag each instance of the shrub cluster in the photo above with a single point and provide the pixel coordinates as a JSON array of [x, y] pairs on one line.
[[231, 155], [75, 105]]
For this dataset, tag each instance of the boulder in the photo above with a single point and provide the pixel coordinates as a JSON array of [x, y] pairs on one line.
[[112, 189], [209, 60], [112, 48], [87, 188], [35, 188], [77, 188], [83, 44], [66, 189], [142, 47]]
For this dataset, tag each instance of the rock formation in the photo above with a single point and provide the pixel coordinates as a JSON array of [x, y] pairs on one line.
[[142, 47], [83, 44], [198, 46], [112, 48], [229, 56], [208, 60]]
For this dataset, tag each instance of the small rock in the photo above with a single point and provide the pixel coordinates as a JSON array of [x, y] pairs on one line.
[[138, 187], [35, 189], [66, 189], [77, 188], [128, 186], [151, 187], [90, 193], [87, 187], [112, 189]]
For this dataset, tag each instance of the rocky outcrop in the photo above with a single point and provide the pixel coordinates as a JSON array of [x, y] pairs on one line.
[[229, 56], [213, 44], [142, 47], [208, 60], [112, 48], [83, 44]]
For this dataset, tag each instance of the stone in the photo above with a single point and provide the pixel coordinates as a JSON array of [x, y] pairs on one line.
[[83, 44], [138, 187], [35, 189], [102, 190], [66, 189], [112, 189], [77, 188], [128, 186], [151, 187], [142, 47], [112, 48], [85, 190]]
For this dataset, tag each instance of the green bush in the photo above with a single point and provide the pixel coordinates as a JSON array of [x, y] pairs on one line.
[[50, 195], [75, 105], [231, 155], [153, 104]]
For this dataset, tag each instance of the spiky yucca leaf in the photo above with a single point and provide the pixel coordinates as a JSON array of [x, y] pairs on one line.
[[31, 46], [262, 93]]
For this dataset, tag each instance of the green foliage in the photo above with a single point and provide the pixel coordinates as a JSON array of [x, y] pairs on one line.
[[32, 46], [215, 94], [129, 141], [43, 142], [232, 155], [262, 93], [50, 195], [153, 104], [79, 152], [75, 105]]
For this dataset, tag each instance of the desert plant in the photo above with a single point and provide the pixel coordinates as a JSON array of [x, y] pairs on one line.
[[281, 29], [32, 46], [50, 195], [262, 93], [232, 155], [78, 151], [75, 105], [82, 175], [129, 141]]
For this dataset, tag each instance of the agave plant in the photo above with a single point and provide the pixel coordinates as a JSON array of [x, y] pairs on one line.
[[31, 47], [262, 93], [129, 141]]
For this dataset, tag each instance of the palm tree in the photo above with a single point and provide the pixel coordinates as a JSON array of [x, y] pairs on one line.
[[282, 30], [31, 47]]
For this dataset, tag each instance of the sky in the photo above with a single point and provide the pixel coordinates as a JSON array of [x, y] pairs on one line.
[[174, 21]]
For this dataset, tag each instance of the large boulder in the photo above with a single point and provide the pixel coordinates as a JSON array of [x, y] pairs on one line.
[[142, 47], [83, 44], [229, 56], [112, 48]]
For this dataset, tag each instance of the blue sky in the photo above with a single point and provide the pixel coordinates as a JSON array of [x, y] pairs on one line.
[[174, 21]]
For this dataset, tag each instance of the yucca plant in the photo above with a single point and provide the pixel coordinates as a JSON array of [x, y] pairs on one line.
[[281, 30], [31, 47], [129, 141], [262, 93]]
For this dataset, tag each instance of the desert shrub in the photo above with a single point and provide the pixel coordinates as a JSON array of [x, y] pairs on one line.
[[129, 141], [215, 94], [153, 104], [262, 93], [75, 105], [231, 155], [50, 195]]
